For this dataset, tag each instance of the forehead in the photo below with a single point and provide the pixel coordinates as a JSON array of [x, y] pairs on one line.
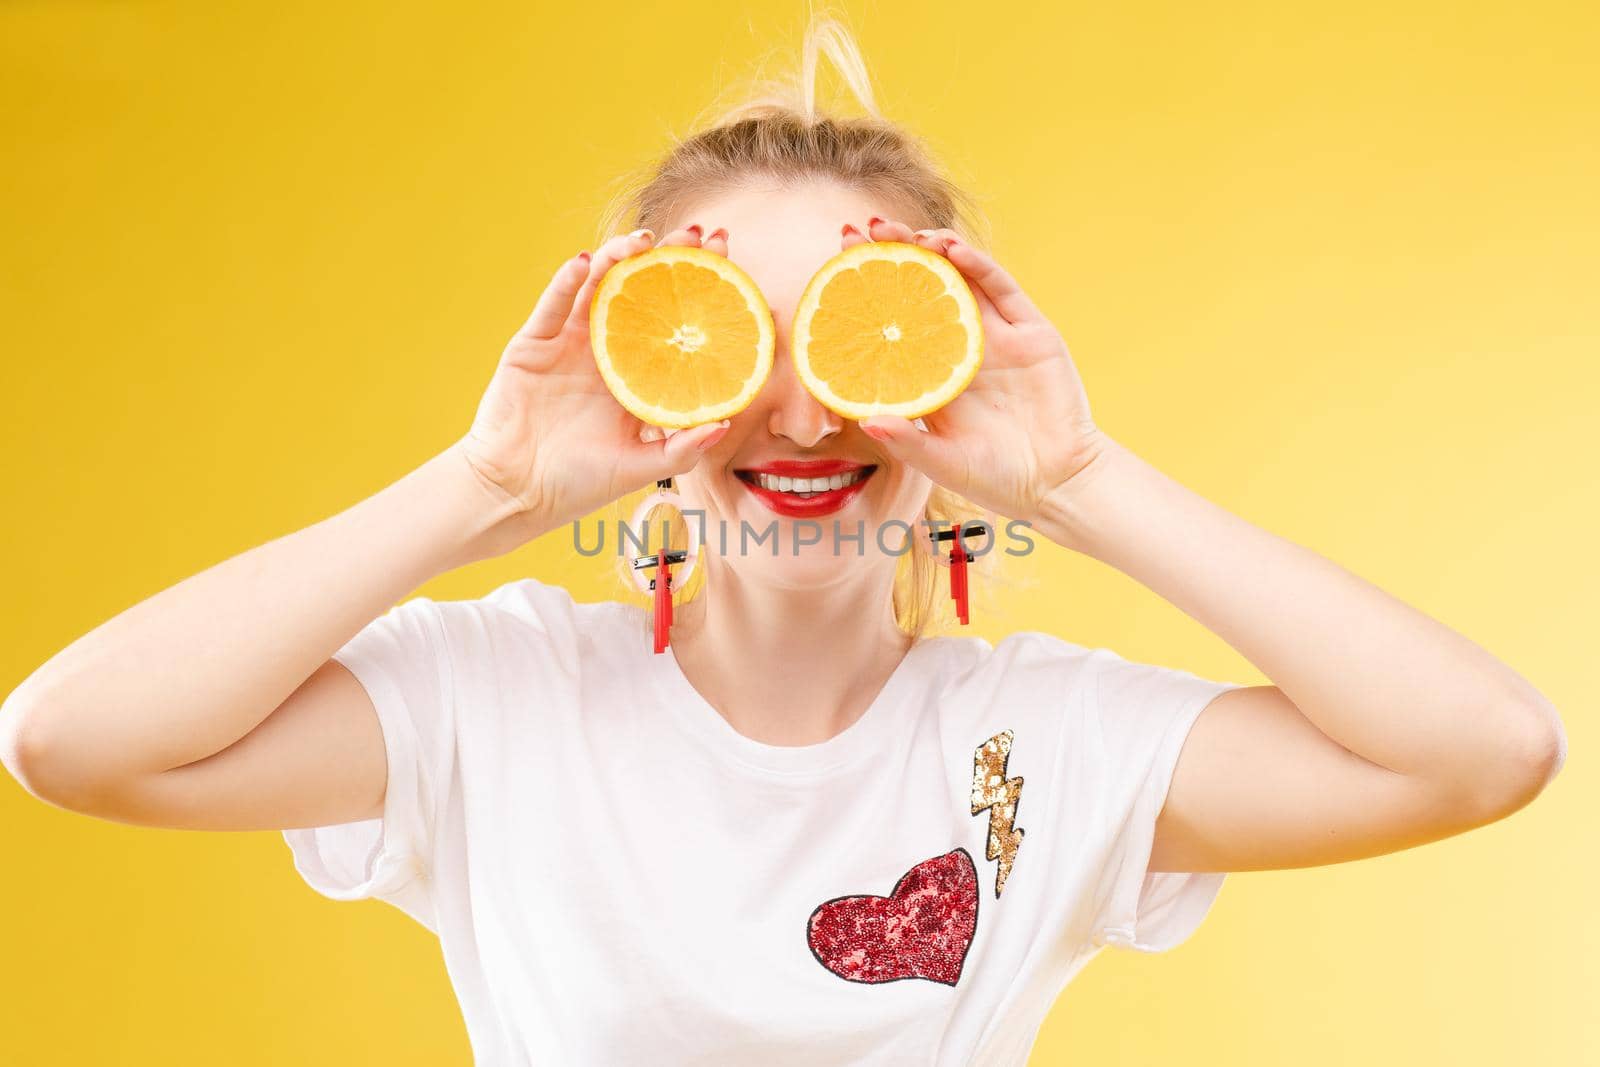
[[781, 234]]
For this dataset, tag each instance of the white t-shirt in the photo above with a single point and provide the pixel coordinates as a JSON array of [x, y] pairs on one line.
[[617, 876]]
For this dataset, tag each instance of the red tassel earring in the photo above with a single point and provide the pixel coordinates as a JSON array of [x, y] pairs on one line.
[[659, 585], [958, 559]]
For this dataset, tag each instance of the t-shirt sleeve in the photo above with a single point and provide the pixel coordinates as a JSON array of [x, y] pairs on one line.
[[1142, 714], [401, 659]]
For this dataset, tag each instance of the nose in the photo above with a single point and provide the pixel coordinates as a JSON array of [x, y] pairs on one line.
[[792, 411]]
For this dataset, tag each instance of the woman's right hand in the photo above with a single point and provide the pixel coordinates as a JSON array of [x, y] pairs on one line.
[[549, 441]]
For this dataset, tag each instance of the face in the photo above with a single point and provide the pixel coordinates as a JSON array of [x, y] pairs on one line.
[[780, 237]]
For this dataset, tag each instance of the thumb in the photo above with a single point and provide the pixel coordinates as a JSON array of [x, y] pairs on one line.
[[922, 449], [677, 452]]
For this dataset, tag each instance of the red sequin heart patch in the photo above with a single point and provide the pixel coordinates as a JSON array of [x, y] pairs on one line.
[[922, 929]]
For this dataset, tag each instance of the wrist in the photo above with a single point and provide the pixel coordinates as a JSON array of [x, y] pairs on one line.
[[467, 520], [1071, 514]]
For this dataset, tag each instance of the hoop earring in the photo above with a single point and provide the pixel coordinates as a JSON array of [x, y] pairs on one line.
[[659, 585], [958, 559]]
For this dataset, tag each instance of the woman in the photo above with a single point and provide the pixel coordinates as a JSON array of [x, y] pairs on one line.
[[809, 834]]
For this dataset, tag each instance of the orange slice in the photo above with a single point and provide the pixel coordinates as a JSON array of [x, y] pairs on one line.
[[886, 328], [681, 336]]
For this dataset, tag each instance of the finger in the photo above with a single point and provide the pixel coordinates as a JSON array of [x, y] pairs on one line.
[[555, 303], [717, 241], [673, 453], [929, 453], [849, 236], [939, 241], [687, 235], [1001, 288], [880, 229], [606, 256], [935, 240]]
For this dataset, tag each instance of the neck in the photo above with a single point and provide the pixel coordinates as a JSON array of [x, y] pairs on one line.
[[789, 666]]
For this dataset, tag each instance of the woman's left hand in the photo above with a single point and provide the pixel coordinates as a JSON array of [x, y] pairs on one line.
[[1021, 430]]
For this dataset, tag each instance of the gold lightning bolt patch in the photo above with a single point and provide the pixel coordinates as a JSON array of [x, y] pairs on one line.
[[992, 790]]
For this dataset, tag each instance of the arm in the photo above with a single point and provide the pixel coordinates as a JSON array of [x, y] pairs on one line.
[[161, 714], [1385, 729], [214, 704]]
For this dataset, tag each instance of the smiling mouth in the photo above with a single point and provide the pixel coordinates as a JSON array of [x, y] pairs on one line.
[[805, 488]]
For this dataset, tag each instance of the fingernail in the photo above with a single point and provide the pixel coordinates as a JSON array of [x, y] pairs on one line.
[[873, 221], [643, 233], [583, 257], [712, 438], [848, 229], [696, 230], [718, 232], [951, 244], [877, 433]]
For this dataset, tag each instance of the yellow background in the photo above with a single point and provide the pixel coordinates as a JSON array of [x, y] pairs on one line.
[[1333, 267]]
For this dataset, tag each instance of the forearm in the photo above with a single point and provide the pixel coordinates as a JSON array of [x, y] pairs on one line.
[[1377, 676], [188, 671]]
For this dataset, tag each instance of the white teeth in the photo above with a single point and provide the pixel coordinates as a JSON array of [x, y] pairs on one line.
[[805, 487]]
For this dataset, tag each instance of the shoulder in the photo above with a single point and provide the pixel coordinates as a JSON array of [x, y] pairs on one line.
[[1033, 659], [1036, 677], [529, 620], [1030, 684], [1025, 661], [530, 605]]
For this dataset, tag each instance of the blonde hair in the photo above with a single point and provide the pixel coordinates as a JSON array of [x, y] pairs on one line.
[[778, 132]]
